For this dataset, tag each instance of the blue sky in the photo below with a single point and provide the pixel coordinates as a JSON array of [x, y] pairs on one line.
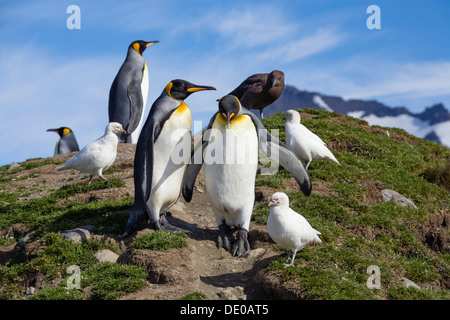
[[51, 76]]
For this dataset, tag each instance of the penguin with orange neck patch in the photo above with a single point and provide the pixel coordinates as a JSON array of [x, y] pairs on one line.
[[158, 166], [129, 91], [235, 134], [67, 142]]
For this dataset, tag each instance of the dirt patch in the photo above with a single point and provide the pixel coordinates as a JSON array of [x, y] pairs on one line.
[[435, 232], [373, 192], [271, 285]]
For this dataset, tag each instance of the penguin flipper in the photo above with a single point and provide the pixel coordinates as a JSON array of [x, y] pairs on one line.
[[136, 105], [142, 178], [195, 165], [278, 151]]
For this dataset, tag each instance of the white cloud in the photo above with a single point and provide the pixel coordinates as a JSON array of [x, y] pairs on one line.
[[254, 26], [415, 85], [295, 49], [38, 92], [264, 33], [413, 80]]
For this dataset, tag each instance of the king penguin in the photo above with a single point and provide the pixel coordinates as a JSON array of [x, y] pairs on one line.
[[162, 154], [260, 90], [129, 92], [67, 142], [229, 152]]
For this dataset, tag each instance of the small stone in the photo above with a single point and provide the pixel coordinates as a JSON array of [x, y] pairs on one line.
[[30, 291], [13, 165], [22, 242], [106, 255], [179, 206], [78, 235], [394, 196], [254, 254]]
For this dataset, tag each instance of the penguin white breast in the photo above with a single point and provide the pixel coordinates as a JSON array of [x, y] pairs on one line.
[[56, 151], [171, 152], [231, 160]]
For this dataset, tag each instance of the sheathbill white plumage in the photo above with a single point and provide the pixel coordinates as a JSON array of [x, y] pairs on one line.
[[97, 156], [287, 228], [304, 143]]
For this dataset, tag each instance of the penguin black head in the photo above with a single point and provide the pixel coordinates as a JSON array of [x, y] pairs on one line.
[[140, 45], [62, 131], [181, 89], [229, 107]]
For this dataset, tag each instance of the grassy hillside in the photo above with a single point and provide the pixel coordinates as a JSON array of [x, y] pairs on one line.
[[358, 228]]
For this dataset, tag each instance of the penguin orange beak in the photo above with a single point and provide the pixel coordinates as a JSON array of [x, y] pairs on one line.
[[196, 89], [150, 43]]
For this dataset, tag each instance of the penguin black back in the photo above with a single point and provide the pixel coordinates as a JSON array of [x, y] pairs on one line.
[[129, 91]]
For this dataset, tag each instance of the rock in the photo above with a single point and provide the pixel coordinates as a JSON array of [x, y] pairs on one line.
[[254, 254], [13, 166], [408, 283], [30, 291], [394, 196], [106, 255], [22, 242], [179, 206], [78, 235]]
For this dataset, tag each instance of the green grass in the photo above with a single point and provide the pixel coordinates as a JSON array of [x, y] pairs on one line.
[[336, 269], [160, 240], [106, 281], [27, 165], [196, 295], [44, 213], [46, 218]]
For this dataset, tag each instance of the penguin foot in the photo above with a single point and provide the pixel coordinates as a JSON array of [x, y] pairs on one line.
[[137, 217], [225, 237], [241, 244], [165, 225]]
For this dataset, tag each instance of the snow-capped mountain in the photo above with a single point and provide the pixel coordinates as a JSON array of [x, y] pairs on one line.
[[432, 124]]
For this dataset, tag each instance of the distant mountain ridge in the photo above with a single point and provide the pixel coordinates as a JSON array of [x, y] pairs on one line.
[[432, 124]]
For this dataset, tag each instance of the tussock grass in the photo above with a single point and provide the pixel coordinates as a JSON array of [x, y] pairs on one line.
[[356, 235], [160, 240]]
